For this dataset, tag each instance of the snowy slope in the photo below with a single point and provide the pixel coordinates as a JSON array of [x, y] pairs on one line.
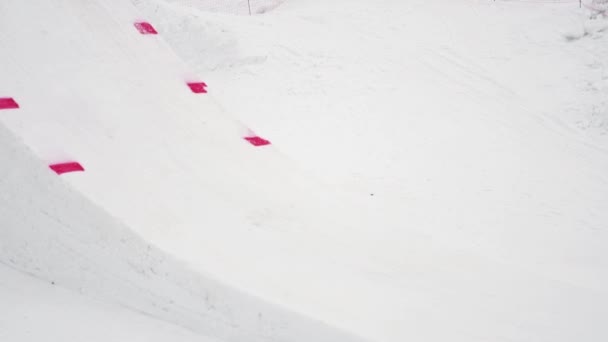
[[478, 125], [85, 93], [478, 120], [41, 310], [53, 233], [428, 179]]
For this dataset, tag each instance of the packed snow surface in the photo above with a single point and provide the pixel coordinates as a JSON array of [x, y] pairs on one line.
[[438, 171]]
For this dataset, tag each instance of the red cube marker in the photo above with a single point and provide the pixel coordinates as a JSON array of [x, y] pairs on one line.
[[198, 87], [8, 103], [62, 168], [145, 28], [257, 141]]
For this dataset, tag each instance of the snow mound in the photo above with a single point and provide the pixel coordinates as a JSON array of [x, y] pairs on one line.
[[54, 233], [83, 78]]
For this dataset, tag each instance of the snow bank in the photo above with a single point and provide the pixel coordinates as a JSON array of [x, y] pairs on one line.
[[35, 310], [478, 128], [91, 88], [55, 234]]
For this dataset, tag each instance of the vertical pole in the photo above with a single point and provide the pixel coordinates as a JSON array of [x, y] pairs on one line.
[[249, 5]]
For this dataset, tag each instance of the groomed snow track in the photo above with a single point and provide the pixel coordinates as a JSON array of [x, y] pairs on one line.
[[86, 80]]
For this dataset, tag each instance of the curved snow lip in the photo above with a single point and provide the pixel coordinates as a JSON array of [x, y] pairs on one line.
[[53, 233]]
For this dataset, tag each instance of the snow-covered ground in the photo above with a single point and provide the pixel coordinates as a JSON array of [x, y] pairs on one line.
[[439, 171], [35, 309], [481, 122]]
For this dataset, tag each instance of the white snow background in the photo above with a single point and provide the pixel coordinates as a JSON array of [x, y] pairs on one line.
[[438, 171]]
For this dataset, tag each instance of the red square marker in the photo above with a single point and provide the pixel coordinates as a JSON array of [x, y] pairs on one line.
[[145, 28], [257, 141], [198, 87], [66, 167], [8, 103]]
